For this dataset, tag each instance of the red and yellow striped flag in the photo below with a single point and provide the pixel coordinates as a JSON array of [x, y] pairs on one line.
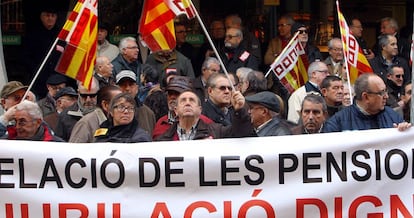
[[353, 54], [290, 67], [80, 34], [157, 22]]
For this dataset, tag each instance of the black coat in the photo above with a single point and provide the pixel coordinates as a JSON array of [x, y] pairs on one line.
[[129, 133]]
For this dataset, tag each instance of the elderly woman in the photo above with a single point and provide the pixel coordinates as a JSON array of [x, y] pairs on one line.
[[121, 125]]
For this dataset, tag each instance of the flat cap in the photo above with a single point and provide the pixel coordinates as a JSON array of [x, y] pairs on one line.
[[267, 99], [11, 87], [179, 84], [126, 74], [66, 91], [56, 79]]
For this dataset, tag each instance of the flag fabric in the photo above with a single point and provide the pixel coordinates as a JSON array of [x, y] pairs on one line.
[[80, 36], [290, 67], [357, 63], [157, 22]]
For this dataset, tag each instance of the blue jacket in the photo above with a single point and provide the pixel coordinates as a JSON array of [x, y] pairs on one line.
[[351, 118]]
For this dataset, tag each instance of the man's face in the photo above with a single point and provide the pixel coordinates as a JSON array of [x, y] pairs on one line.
[[284, 28], [26, 127], [180, 34], [188, 105], [217, 30], [48, 19], [88, 98], [129, 86], [172, 99], [212, 69], [64, 102], [386, 28], [334, 94], [53, 89], [257, 113], [391, 48], [130, 52], [320, 74], [336, 52], [312, 116], [397, 76], [13, 99], [303, 34], [377, 95], [102, 33], [356, 28], [232, 39], [347, 97], [105, 69], [220, 94]]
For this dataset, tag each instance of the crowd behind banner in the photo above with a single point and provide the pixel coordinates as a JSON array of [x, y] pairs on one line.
[[354, 174], [139, 95]]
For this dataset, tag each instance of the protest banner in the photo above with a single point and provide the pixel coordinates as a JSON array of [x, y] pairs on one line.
[[350, 174]]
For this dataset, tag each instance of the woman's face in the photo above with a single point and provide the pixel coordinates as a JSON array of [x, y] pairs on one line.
[[123, 112]]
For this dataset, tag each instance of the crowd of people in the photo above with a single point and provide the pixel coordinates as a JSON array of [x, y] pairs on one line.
[[138, 96]]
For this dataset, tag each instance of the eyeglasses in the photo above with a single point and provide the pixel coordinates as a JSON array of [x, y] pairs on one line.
[[283, 24], [16, 98], [323, 71], [223, 88], [380, 93], [123, 108], [303, 31], [336, 49], [231, 36], [23, 122], [213, 70], [132, 47], [88, 95], [399, 76]]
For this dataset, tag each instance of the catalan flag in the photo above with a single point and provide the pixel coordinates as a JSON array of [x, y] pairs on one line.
[[79, 33], [353, 54], [157, 22], [290, 67]]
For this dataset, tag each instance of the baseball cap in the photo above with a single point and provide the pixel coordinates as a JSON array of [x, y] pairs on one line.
[[126, 74], [265, 98], [11, 87]]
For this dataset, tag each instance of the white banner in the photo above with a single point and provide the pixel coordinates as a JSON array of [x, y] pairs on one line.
[[350, 174]]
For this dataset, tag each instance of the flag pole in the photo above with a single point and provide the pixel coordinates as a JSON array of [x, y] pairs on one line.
[[40, 68], [211, 43], [343, 54], [412, 78], [283, 51]]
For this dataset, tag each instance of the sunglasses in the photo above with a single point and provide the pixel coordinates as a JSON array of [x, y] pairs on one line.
[[399, 76], [88, 95], [303, 31], [223, 88]]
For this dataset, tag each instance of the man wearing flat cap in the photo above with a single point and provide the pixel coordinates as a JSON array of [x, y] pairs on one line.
[[264, 108], [64, 98], [54, 83], [127, 81]]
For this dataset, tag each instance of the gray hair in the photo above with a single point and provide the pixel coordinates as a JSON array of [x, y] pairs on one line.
[[289, 19], [315, 99], [392, 21], [208, 62], [362, 85], [314, 66], [31, 108], [384, 39], [123, 42], [243, 72], [331, 42]]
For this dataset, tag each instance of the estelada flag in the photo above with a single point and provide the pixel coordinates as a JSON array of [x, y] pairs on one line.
[[80, 36], [353, 54], [157, 22], [290, 67]]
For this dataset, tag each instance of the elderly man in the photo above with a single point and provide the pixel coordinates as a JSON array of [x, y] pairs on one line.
[[210, 66], [335, 59], [126, 80], [127, 58], [191, 127], [388, 57], [54, 83], [317, 71], [332, 90], [395, 80], [356, 30], [217, 107], [312, 115], [29, 124], [368, 111], [103, 71], [65, 98], [84, 129], [86, 104], [234, 55], [264, 108], [104, 47]]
